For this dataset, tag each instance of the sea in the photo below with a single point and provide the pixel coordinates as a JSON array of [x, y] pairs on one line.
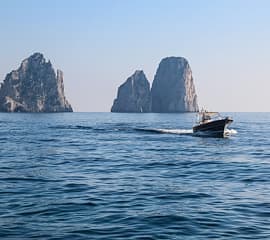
[[132, 176]]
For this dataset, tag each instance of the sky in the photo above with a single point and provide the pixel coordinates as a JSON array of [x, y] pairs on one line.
[[98, 44]]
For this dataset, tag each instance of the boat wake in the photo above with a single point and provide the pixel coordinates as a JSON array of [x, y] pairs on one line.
[[228, 132], [170, 131]]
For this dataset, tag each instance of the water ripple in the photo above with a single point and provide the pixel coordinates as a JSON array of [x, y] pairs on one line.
[[132, 176]]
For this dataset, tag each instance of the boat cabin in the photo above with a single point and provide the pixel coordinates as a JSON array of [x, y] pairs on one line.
[[205, 116]]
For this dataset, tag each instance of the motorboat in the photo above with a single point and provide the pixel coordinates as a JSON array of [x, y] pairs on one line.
[[211, 124]]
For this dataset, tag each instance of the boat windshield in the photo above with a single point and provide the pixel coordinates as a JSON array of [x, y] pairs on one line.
[[205, 116]]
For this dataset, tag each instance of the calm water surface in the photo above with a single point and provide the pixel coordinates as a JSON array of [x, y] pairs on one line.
[[107, 176]]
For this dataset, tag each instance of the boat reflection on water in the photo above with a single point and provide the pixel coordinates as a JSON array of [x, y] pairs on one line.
[[211, 124]]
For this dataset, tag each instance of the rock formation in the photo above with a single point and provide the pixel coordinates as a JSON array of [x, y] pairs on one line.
[[133, 95], [34, 87], [173, 89]]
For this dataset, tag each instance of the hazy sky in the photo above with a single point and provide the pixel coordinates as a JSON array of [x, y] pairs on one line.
[[99, 43]]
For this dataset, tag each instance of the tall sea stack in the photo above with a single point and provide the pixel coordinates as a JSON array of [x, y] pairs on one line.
[[34, 87], [133, 95], [173, 88]]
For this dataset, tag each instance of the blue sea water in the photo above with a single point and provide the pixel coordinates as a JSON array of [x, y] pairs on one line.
[[110, 176]]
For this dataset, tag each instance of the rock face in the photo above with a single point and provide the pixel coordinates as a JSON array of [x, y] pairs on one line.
[[133, 95], [34, 87], [173, 89]]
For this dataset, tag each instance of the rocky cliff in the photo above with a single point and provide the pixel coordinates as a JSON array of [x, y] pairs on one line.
[[34, 87], [173, 88], [133, 95]]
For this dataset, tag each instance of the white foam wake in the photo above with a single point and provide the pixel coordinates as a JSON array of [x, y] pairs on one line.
[[230, 132], [175, 131]]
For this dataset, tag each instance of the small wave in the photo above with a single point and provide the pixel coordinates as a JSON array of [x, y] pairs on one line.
[[171, 131], [71, 127], [27, 179], [83, 127]]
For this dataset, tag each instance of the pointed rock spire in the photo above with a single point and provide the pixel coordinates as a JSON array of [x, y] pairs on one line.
[[133, 95], [34, 87], [173, 87]]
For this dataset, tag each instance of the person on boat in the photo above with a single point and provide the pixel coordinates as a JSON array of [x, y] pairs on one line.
[[205, 117]]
